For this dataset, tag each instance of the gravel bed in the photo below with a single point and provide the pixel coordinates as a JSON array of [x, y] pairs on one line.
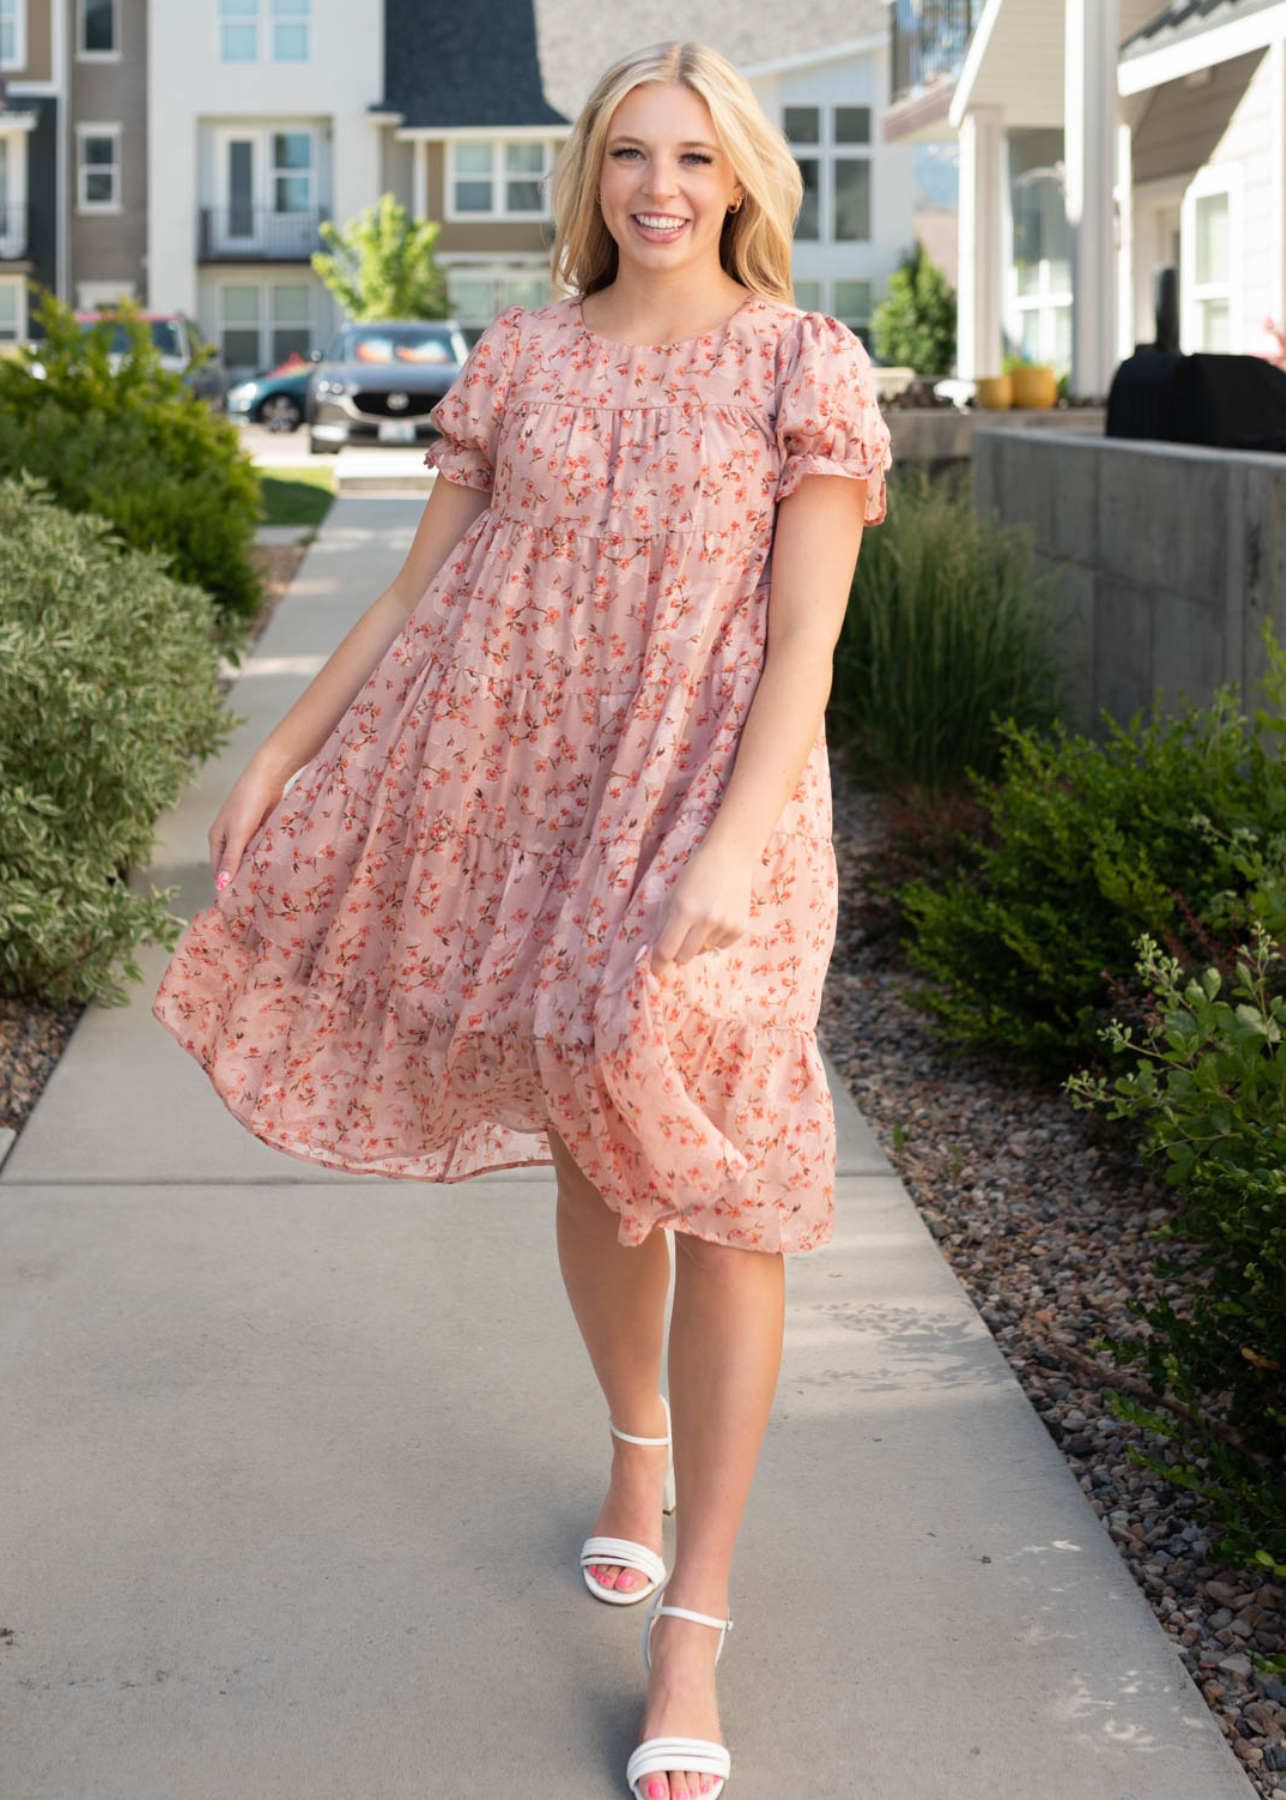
[[34, 1034], [1047, 1231]]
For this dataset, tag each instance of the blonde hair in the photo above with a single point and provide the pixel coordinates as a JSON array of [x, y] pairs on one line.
[[755, 245]]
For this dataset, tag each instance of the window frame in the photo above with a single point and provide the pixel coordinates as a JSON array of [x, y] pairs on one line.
[[1047, 301], [1211, 180], [221, 23], [499, 179], [22, 324], [266, 321], [827, 153], [303, 16], [83, 169], [98, 56], [19, 58]]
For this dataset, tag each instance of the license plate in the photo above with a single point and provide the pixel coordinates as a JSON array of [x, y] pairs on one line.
[[397, 431]]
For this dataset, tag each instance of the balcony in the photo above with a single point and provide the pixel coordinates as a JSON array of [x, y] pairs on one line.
[[13, 230], [240, 233], [930, 39]]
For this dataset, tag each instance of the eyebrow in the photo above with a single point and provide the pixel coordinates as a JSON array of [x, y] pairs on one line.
[[688, 144]]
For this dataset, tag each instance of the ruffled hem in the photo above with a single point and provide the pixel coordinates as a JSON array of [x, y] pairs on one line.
[[739, 1151]]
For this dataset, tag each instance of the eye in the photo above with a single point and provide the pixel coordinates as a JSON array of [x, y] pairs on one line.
[[629, 150]]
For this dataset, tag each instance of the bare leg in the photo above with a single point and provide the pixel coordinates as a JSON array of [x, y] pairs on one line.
[[725, 1355], [618, 1294]]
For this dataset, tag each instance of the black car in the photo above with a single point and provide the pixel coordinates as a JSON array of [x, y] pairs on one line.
[[377, 382]]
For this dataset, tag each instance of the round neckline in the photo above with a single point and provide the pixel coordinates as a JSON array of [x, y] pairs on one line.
[[578, 301]]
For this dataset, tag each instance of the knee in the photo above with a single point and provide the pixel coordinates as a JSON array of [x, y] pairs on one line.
[[713, 1261]]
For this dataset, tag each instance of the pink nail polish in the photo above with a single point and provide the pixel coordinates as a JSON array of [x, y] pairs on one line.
[[656, 1789], [223, 880]]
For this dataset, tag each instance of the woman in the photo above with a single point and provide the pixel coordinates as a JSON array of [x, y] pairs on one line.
[[554, 882]]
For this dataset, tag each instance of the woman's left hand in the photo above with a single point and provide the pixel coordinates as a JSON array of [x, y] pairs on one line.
[[707, 908]]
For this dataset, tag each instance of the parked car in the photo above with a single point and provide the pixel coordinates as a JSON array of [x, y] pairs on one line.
[[178, 339], [277, 398], [377, 382]]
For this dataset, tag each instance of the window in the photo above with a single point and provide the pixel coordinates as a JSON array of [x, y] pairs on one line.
[[290, 30], [13, 34], [262, 323], [239, 30], [1039, 278], [1212, 275], [98, 29], [852, 307], [12, 321], [292, 171], [98, 171], [498, 180], [476, 297], [833, 151]]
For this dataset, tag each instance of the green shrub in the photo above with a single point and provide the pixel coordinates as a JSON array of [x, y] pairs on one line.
[[1086, 846], [914, 326], [1209, 1086], [946, 632], [107, 689], [136, 447]]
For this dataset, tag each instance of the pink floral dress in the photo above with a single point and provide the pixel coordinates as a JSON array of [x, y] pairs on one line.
[[438, 941]]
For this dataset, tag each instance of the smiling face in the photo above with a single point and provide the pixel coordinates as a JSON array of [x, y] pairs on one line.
[[665, 183]]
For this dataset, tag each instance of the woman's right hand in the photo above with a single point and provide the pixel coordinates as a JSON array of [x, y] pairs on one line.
[[240, 816]]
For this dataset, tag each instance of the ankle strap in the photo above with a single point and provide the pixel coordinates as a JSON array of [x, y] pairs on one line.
[[637, 1440], [642, 1440], [682, 1612]]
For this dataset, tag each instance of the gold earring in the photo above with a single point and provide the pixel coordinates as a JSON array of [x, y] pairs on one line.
[[736, 208]]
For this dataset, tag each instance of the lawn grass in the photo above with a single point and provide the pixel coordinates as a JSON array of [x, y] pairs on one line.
[[298, 497]]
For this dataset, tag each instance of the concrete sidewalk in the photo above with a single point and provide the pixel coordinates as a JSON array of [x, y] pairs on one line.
[[297, 1464]]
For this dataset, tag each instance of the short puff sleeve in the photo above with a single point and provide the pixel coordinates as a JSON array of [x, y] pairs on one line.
[[829, 421], [469, 415]]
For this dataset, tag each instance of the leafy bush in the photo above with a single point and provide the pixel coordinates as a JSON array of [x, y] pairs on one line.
[[107, 688], [1209, 1086], [381, 264], [946, 632], [1088, 845], [136, 447], [915, 324]]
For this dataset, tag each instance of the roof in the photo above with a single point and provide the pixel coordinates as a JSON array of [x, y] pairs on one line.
[[1188, 19], [533, 62]]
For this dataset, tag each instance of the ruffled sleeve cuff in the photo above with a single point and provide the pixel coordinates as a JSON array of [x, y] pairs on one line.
[[470, 414], [829, 421]]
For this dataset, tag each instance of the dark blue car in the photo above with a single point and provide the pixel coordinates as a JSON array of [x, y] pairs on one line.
[[275, 397]]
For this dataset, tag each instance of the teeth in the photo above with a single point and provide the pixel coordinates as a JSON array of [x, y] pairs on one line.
[[658, 224]]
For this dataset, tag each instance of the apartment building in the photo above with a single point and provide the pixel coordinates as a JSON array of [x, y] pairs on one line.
[[187, 151], [73, 152]]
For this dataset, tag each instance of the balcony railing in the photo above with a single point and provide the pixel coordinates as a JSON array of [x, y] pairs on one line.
[[13, 230], [930, 40], [237, 233]]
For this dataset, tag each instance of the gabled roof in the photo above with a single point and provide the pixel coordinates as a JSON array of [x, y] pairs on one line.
[[1188, 19], [533, 62]]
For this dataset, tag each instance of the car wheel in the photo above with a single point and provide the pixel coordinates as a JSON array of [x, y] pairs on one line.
[[280, 413]]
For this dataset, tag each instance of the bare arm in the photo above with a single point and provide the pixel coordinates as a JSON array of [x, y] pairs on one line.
[[448, 513], [815, 545]]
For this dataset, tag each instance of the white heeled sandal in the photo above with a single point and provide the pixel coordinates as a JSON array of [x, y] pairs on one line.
[[701, 1755], [623, 1550]]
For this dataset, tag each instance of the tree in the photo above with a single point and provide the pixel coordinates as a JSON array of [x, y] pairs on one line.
[[915, 325], [383, 265]]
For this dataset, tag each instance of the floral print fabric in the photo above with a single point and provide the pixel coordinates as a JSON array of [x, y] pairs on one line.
[[438, 942]]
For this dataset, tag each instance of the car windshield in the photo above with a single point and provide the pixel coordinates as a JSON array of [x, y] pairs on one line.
[[165, 335], [395, 344]]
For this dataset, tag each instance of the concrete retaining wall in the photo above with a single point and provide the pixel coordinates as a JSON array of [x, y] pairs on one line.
[[1168, 558]]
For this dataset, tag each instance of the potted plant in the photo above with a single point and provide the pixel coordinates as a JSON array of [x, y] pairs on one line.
[[1034, 384]]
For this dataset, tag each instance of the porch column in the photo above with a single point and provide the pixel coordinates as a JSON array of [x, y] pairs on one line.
[[1124, 242], [979, 294], [1089, 151]]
